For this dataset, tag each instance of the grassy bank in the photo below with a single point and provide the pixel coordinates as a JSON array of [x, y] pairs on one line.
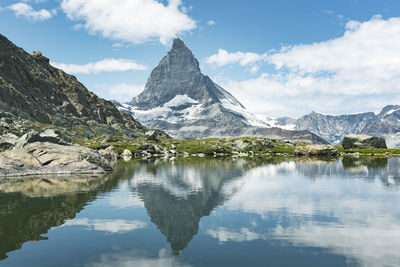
[[371, 152], [241, 146], [208, 147]]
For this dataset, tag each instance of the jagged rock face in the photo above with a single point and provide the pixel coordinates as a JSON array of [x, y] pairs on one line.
[[186, 104], [333, 128], [32, 89], [387, 127], [178, 73]]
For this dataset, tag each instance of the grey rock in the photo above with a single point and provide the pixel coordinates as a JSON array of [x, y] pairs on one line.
[[33, 136], [8, 140], [28, 138], [240, 145], [316, 150], [355, 141], [157, 135], [48, 158], [126, 153], [151, 149], [109, 153]]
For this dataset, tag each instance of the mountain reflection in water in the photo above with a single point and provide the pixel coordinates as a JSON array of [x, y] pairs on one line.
[[307, 212]]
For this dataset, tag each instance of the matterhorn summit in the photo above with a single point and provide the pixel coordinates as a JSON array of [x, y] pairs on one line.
[[187, 104]]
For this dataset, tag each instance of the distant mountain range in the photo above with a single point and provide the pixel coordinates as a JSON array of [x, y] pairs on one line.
[[386, 124], [186, 104]]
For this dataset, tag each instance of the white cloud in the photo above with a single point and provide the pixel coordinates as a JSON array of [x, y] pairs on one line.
[[359, 71], [36, 1], [105, 65], [26, 11], [126, 91], [141, 258], [362, 228], [226, 235], [134, 21], [77, 27], [210, 23], [107, 225], [223, 58]]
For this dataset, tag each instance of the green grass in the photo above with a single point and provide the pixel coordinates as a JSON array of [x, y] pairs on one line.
[[259, 147], [206, 146], [40, 127], [228, 145]]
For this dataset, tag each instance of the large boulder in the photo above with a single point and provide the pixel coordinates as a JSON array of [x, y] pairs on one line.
[[110, 153], [354, 141], [147, 148], [47, 158], [8, 140], [316, 150], [50, 136], [46, 153]]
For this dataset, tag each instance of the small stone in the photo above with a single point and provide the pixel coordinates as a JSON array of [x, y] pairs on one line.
[[126, 153]]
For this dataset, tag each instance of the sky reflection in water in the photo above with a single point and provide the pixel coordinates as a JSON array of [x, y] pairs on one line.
[[207, 212]]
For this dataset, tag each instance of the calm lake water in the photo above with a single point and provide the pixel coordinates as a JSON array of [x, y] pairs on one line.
[[207, 212]]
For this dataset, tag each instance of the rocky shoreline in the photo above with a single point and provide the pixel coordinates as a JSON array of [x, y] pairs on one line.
[[49, 152]]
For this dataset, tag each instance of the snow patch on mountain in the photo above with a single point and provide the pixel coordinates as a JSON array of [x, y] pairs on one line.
[[272, 122], [250, 118], [180, 108], [391, 111], [180, 100]]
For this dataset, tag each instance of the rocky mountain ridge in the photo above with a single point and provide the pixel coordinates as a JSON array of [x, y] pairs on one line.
[[386, 124], [31, 90], [187, 104]]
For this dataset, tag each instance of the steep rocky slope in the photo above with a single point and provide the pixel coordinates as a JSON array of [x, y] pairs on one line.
[[34, 91]]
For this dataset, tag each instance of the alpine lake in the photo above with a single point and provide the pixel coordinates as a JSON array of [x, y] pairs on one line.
[[193, 211]]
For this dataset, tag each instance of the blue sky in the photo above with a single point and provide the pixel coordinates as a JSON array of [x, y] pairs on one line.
[[279, 58]]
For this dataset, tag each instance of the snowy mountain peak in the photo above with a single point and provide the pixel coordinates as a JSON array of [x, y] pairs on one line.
[[389, 110], [179, 99], [178, 76]]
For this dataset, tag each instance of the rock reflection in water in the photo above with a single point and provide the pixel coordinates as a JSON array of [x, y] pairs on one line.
[[178, 195], [29, 207]]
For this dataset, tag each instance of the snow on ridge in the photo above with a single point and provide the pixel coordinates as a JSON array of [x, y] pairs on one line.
[[391, 111], [251, 119], [179, 100], [274, 123], [165, 112]]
